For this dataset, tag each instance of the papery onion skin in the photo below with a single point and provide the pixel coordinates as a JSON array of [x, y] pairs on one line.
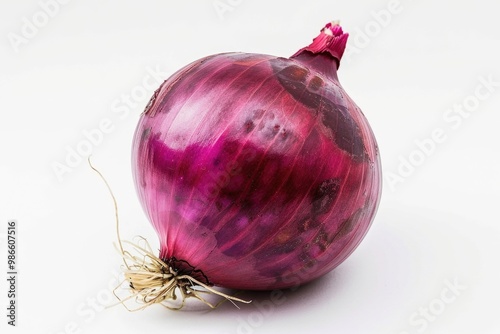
[[258, 172]]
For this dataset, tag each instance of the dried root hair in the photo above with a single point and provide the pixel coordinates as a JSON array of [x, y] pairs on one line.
[[152, 281]]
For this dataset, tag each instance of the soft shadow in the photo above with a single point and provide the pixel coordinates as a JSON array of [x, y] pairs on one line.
[[285, 299]]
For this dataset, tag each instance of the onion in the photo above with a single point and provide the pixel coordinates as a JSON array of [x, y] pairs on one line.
[[257, 172]]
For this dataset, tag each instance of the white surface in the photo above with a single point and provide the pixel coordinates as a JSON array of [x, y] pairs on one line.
[[438, 227]]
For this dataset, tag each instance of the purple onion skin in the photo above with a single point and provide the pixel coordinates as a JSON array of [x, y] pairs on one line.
[[257, 172]]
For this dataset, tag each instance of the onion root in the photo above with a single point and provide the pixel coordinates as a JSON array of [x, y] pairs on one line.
[[151, 280]]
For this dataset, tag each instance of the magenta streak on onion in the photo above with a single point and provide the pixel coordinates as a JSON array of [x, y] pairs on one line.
[[258, 172]]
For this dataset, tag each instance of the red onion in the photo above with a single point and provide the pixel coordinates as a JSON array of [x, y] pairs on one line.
[[257, 172]]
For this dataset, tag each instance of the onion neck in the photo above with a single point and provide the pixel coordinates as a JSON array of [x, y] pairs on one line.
[[325, 52]]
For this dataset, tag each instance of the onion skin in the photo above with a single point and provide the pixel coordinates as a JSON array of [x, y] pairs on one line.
[[257, 172]]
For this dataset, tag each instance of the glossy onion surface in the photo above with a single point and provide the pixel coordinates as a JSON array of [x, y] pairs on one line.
[[257, 172]]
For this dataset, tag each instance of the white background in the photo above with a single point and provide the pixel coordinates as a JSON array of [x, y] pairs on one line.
[[437, 225]]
